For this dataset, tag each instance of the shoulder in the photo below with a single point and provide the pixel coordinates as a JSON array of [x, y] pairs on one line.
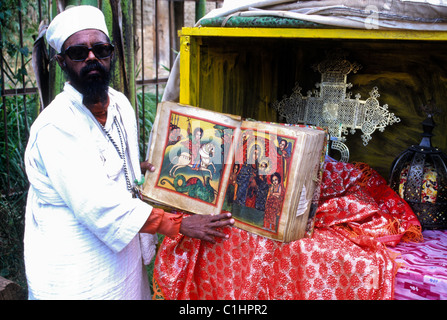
[[122, 104], [56, 112], [60, 114], [120, 99]]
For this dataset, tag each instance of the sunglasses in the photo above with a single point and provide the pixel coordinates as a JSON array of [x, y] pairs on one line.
[[81, 52]]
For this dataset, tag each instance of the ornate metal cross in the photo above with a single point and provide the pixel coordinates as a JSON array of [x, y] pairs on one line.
[[332, 107]]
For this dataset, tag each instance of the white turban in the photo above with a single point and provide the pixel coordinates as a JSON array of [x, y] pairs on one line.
[[72, 20]]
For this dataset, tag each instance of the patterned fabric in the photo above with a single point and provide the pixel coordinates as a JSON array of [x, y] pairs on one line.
[[423, 272], [346, 258]]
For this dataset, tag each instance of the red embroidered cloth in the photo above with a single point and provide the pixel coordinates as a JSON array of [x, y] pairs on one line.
[[346, 258]]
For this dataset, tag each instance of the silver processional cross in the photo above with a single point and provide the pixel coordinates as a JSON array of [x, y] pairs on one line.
[[333, 108]]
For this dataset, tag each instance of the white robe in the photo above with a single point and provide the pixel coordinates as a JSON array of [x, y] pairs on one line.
[[81, 227]]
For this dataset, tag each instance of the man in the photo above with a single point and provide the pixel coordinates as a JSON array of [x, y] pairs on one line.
[[85, 233]]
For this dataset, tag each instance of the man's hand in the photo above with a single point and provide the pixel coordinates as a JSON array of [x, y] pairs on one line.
[[205, 227], [146, 166]]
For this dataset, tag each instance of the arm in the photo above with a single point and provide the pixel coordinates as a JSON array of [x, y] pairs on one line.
[[72, 164]]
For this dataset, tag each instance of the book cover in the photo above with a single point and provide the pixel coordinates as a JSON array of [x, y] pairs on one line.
[[207, 162]]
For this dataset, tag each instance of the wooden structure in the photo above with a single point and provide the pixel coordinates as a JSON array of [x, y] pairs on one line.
[[245, 70]]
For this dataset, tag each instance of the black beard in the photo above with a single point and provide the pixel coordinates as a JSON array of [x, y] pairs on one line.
[[94, 88]]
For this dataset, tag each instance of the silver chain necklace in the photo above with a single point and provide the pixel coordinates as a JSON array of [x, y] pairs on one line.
[[121, 152]]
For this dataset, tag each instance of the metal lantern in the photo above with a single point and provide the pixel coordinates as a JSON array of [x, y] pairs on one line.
[[419, 176]]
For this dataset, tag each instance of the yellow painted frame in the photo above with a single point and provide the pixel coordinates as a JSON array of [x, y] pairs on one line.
[[372, 34], [185, 68], [190, 39]]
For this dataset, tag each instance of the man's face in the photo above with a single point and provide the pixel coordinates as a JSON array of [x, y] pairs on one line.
[[91, 76]]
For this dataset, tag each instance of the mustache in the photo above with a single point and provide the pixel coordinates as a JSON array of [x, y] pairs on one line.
[[93, 66]]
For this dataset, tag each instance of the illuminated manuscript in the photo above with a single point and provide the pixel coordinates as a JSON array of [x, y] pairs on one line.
[[207, 162]]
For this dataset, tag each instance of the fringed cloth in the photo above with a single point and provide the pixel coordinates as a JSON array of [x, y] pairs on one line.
[[346, 258]]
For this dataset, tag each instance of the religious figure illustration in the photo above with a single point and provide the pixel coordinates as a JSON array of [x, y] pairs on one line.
[[175, 132], [195, 145], [283, 157], [232, 185], [273, 205], [259, 179], [192, 162], [245, 179], [262, 186], [198, 157]]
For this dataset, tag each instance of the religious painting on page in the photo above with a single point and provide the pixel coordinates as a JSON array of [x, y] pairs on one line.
[[194, 157], [191, 158], [208, 162], [259, 178]]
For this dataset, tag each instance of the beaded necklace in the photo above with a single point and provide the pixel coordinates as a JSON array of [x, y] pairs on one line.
[[121, 152]]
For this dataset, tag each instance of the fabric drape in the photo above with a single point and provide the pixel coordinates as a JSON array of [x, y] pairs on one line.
[[347, 257]]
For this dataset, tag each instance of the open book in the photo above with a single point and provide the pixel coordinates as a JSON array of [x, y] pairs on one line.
[[207, 162]]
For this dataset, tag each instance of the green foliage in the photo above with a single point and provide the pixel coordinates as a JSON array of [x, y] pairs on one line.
[[16, 71], [12, 174], [17, 113], [11, 239], [14, 184], [18, 120]]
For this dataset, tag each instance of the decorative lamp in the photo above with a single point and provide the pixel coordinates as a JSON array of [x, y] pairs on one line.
[[419, 176]]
